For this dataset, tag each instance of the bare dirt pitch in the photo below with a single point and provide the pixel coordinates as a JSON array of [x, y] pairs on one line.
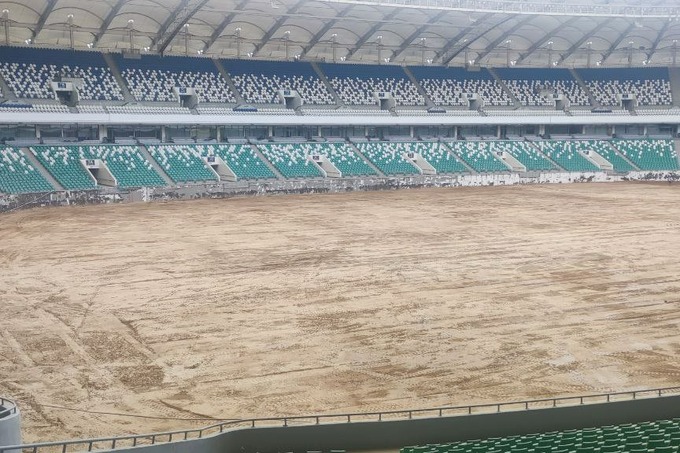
[[331, 303]]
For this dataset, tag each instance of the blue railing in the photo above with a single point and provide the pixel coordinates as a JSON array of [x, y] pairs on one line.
[[112, 443]]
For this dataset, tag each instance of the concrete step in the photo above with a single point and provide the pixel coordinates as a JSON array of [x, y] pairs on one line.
[[495, 75], [459, 159], [326, 82], [43, 171], [623, 156], [584, 87], [271, 166], [119, 78], [368, 161], [540, 153], [147, 155], [230, 82], [421, 90], [674, 75], [7, 93]]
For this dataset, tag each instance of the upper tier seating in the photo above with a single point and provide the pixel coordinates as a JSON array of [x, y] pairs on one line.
[[525, 153], [649, 154], [356, 84], [28, 72], [182, 163], [478, 155], [437, 155], [153, 78], [661, 436], [445, 86], [290, 159], [389, 157], [17, 175], [146, 110], [240, 158], [535, 87], [651, 86], [259, 81], [231, 111], [64, 164], [566, 154]]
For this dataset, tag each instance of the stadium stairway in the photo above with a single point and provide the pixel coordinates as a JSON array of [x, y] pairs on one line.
[[674, 77], [161, 172], [540, 153], [624, 157], [230, 82], [269, 165], [421, 90], [460, 159], [7, 91], [365, 159], [127, 96], [43, 171], [515, 101], [328, 85], [583, 86], [676, 143]]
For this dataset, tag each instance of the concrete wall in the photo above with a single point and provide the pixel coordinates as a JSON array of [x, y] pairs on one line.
[[396, 434], [10, 428]]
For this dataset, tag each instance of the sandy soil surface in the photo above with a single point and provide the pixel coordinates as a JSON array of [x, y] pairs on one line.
[[331, 303]]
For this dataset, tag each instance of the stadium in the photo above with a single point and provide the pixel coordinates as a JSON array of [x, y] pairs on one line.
[[338, 226]]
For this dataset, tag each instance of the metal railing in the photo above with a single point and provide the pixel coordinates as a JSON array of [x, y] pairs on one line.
[[112, 443], [7, 407]]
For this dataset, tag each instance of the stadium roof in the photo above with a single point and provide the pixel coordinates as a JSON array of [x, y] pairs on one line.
[[562, 33]]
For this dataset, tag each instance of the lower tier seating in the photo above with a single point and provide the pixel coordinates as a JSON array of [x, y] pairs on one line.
[[649, 154], [290, 159], [661, 436], [182, 163], [17, 175], [604, 149], [389, 157], [126, 163], [240, 158], [478, 155], [566, 155], [66, 167]]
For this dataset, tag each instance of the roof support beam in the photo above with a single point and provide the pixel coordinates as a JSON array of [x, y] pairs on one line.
[[366, 36], [182, 14], [453, 41], [107, 21], [325, 29], [657, 41], [577, 45], [467, 45], [616, 43], [419, 31], [43, 18], [277, 25], [504, 37], [223, 25], [544, 38]]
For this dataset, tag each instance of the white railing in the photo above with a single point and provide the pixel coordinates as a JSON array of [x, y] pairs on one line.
[[112, 443]]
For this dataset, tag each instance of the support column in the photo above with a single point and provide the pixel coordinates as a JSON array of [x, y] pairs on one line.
[[103, 132], [163, 134]]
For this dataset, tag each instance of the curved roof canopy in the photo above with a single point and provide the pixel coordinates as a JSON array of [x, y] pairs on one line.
[[566, 33]]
